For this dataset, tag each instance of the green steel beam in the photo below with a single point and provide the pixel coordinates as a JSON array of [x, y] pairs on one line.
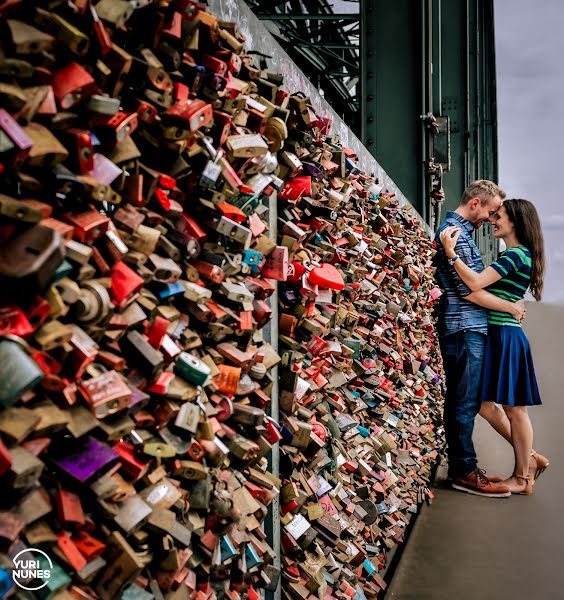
[[454, 96], [391, 84], [432, 56]]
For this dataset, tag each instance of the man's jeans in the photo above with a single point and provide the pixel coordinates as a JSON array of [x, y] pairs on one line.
[[463, 355]]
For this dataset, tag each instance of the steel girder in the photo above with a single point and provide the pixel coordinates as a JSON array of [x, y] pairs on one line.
[[324, 44]]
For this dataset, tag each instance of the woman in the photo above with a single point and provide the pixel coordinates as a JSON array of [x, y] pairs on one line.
[[508, 376]]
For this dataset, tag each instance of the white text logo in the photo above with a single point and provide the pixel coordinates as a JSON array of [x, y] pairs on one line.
[[28, 567]]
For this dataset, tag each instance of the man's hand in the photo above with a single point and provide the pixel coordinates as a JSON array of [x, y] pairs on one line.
[[519, 311]]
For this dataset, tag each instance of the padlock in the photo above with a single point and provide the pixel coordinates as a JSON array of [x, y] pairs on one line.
[[20, 372], [26, 39], [26, 468], [15, 144], [29, 260], [53, 334], [70, 508], [76, 41], [125, 284], [123, 566], [18, 210], [79, 143], [276, 266], [46, 150], [71, 84], [103, 105], [112, 130], [192, 369], [88, 225], [209, 271], [192, 115]]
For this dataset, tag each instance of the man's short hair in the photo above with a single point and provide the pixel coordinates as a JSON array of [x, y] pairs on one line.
[[483, 189]]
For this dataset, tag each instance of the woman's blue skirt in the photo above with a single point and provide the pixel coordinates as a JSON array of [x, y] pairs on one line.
[[508, 374]]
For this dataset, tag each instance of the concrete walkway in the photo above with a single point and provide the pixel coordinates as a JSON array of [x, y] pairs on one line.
[[468, 548]]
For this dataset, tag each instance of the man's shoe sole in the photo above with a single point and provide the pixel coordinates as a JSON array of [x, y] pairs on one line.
[[477, 493]]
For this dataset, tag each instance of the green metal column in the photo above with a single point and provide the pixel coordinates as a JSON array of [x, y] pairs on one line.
[[431, 58], [454, 101], [392, 83]]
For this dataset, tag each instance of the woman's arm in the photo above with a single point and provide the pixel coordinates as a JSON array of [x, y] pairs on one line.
[[486, 300], [475, 281]]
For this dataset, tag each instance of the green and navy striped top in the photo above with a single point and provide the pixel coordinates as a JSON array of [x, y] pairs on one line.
[[515, 267]]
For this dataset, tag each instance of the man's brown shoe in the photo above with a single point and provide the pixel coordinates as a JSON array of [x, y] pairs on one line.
[[491, 478], [478, 484]]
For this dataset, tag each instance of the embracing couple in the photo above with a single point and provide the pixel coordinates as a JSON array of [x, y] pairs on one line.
[[486, 355]]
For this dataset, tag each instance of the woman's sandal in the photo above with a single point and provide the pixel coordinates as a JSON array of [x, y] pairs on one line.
[[528, 489], [542, 463]]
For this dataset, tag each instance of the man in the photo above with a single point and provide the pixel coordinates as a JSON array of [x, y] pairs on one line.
[[462, 326]]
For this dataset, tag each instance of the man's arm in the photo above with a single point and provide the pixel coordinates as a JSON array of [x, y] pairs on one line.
[[487, 300]]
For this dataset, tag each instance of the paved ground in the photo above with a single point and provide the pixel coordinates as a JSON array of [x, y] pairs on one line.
[[469, 548]]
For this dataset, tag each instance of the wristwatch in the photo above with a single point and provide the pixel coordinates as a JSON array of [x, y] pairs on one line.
[[452, 260]]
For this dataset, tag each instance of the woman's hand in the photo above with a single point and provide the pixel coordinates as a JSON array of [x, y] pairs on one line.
[[449, 236], [519, 311]]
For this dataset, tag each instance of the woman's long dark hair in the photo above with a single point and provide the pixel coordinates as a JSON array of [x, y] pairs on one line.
[[528, 231]]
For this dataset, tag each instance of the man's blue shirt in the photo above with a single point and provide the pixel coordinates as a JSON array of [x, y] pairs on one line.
[[453, 312]]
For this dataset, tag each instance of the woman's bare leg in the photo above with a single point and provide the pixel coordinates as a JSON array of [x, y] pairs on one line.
[[496, 417], [522, 442]]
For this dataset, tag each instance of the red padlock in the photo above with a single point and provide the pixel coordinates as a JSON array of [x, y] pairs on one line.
[[112, 130], [188, 227], [209, 271], [214, 64], [272, 434], [146, 112], [13, 321], [101, 32], [79, 144], [70, 551], [89, 225], [189, 9], [262, 313], [69, 508], [191, 115], [196, 451], [221, 128], [157, 331], [161, 384], [131, 463], [181, 92], [88, 545], [296, 271], [71, 84], [296, 188], [5, 459], [125, 284], [327, 276]]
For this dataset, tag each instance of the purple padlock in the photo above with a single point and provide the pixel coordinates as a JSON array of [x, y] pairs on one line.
[[313, 170], [85, 460]]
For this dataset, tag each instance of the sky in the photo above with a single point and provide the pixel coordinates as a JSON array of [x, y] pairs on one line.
[[530, 92]]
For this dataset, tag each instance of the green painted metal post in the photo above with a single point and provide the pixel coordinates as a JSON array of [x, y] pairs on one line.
[[438, 57]]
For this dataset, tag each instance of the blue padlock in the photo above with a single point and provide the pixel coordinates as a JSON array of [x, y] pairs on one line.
[[252, 257]]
